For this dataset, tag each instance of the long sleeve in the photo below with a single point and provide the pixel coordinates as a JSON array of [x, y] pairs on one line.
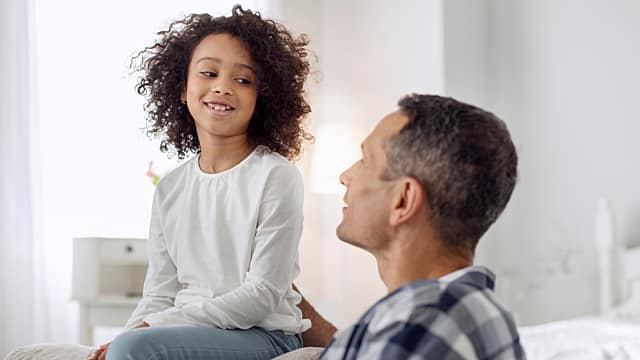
[[272, 267], [161, 284]]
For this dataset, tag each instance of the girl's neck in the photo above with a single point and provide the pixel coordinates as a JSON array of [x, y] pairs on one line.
[[221, 156]]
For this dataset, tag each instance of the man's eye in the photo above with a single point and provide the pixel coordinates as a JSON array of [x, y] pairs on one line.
[[208, 74], [243, 81]]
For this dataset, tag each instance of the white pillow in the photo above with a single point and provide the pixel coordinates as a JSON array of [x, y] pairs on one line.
[[305, 353], [50, 352]]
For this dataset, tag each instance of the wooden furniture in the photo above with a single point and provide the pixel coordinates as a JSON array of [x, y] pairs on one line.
[[108, 276]]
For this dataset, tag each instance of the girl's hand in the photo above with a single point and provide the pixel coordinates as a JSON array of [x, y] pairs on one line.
[[101, 352]]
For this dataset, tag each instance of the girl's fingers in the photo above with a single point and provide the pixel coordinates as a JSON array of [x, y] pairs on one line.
[[93, 355]]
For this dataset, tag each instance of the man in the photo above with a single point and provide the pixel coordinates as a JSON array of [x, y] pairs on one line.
[[433, 177]]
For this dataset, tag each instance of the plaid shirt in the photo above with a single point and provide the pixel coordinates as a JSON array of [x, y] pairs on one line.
[[454, 317]]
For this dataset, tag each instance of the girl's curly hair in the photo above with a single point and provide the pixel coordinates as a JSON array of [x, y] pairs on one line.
[[283, 69]]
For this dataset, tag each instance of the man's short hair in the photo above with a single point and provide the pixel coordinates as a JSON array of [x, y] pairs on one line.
[[464, 158]]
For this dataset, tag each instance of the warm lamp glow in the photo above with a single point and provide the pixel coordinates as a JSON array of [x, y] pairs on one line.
[[337, 147]]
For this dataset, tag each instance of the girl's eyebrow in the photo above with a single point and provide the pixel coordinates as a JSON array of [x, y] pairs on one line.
[[217, 60]]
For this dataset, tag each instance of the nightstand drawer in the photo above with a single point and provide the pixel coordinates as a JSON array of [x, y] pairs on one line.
[[108, 278], [122, 251]]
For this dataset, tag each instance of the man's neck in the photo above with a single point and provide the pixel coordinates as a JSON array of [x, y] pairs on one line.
[[413, 259]]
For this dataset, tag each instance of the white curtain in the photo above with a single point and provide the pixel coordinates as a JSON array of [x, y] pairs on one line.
[[21, 300]]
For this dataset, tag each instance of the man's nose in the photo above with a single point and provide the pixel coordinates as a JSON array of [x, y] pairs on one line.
[[345, 178]]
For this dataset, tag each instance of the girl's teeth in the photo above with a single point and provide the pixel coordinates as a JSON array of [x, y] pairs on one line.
[[221, 107]]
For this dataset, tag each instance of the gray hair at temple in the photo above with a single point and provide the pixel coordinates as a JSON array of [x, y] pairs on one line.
[[464, 158]]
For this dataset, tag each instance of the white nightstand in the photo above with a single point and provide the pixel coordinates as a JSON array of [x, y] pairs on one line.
[[108, 275]]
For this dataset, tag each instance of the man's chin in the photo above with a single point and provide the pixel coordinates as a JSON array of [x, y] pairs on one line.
[[343, 235], [340, 231]]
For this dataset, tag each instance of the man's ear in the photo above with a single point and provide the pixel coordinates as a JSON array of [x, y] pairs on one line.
[[409, 199]]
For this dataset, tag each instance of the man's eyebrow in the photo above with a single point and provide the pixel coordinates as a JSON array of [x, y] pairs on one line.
[[217, 60]]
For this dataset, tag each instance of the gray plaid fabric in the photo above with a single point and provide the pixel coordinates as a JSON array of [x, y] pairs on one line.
[[453, 317]]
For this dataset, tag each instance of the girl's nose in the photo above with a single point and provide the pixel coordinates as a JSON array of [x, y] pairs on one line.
[[222, 87], [224, 91]]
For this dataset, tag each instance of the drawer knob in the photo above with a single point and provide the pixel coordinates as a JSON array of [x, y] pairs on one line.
[[129, 248]]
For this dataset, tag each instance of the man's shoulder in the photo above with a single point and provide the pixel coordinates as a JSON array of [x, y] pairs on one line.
[[467, 297], [469, 287], [457, 314], [463, 315], [467, 305]]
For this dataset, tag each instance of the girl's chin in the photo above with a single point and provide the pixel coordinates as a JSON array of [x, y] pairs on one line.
[[213, 128]]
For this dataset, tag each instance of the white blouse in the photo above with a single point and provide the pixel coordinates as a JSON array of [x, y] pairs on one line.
[[223, 248]]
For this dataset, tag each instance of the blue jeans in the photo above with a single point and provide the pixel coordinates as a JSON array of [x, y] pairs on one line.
[[200, 343]]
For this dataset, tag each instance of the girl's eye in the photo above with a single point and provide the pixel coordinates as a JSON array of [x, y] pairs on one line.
[[208, 74], [243, 81]]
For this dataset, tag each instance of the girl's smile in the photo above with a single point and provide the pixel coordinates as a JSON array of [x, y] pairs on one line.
[[219, 108]]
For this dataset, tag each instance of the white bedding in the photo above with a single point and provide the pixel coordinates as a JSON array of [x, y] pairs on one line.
[[586, 338]]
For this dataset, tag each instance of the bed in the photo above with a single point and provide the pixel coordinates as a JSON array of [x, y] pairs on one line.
[[615, 332], [586, 338]]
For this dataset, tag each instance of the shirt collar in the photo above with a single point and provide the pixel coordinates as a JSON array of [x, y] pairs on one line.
[[476, 276]]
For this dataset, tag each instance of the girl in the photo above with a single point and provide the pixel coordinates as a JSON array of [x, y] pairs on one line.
[[225, 225]]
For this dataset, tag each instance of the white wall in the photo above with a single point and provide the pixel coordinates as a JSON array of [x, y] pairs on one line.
[[564, 75]]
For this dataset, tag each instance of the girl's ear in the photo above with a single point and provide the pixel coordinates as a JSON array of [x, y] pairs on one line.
[[408, 200], [183, 95]]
